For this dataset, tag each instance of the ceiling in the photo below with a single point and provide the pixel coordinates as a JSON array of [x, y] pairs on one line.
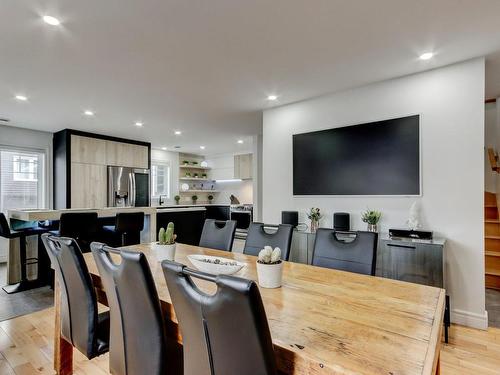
[[206, 67]]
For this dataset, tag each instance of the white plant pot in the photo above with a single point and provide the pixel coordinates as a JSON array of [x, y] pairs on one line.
[[163, 252], [270, 275]]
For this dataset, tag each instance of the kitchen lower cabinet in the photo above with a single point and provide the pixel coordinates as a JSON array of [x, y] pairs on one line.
[[188, 223], [218, 212]]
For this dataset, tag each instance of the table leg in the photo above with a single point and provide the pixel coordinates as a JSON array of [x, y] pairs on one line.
[[63, 350]]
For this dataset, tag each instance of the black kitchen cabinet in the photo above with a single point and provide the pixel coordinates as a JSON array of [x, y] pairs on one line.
[[188, 224], [218, 212]]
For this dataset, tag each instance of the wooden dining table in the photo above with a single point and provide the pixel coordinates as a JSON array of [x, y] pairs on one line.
[[322, 321]]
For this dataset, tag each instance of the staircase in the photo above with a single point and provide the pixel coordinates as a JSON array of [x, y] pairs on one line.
[[491, 241]]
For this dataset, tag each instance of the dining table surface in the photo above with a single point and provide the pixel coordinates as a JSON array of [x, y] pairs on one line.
[[324, 321]]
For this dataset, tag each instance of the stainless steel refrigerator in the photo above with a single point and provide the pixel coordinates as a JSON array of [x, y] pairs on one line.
[[128, 187]]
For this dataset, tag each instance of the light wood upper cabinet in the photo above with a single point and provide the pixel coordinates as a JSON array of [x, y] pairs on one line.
[[88, 150], [243, 166], [88, 185], [126, 155]]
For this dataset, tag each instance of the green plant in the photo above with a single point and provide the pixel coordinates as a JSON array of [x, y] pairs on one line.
[[177, 198], [194, 162], [204, 175], [269, 256], [195, 175], [371, 217], [185, 162], [188, 174], [210, 198], [167, 237], [314, 214], [194, 198]]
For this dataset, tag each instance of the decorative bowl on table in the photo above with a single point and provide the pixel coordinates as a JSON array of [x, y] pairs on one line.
[[215, 265]]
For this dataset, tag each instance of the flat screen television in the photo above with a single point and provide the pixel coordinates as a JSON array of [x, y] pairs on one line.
[[377, 158]]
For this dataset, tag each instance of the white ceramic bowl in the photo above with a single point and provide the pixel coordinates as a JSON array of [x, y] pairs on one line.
[[215, 268]]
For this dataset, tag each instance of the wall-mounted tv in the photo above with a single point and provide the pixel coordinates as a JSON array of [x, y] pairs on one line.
[[377, 158]]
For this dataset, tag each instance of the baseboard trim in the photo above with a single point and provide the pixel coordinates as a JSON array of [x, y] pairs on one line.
[[466, 318]]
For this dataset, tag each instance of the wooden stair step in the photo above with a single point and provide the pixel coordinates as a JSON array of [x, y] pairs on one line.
[[490, 198], [492, 253], [492, 237], [490, 212], [492, 261], [492, 243], [492, 272], [492, 281], [492, 227]]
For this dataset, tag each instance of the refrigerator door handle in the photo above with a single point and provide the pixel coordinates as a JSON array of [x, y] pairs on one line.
[[131, 189]]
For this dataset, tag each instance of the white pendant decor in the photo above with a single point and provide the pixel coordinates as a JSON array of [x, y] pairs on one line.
[[413, 218]]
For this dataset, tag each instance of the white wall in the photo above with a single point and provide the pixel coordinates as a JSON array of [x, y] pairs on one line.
[[30, 139], [490, 140], [450, 101], [173, 159]]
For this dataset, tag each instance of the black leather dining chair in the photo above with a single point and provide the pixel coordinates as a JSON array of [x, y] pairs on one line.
[[218, 234], [81, 324], [126, 231], [83, 227], [346, 251], [223, 334], [138, 342], [257, 238]]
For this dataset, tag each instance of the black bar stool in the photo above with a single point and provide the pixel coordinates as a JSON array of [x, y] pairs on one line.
[[82, 226], [24, 284], [126, 231]]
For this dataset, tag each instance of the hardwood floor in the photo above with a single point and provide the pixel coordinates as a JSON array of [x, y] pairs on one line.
[[26, 348]]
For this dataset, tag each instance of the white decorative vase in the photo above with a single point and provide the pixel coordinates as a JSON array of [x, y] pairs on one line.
[[270, 275], [163, 252]]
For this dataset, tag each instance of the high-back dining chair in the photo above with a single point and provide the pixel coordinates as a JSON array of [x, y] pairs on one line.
[[353, 252], [223, 334], [81, 324], [218, 234], [137, 334], [257, 238]]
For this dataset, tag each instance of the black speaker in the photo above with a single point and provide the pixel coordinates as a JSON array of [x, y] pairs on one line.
[[290, 217], [341, 221]]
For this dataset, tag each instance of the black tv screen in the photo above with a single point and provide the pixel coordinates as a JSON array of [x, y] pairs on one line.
[[377, 158]]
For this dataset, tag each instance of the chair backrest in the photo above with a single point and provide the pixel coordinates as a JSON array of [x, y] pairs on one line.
[[257, 238], [137, 331], [82, 226], [218, 234], [225, 333], [78, 297], [4, 226], [130, 225], [356, 252]]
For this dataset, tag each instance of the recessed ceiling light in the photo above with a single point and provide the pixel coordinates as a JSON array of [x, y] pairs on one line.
[[164, 148], [426, 56], [272, 97], [139, 124], [240, 141], [21, 97], [202, 147], [51, 20], [88, 113], [177, 132]]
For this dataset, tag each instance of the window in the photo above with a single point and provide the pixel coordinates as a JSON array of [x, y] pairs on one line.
[[22, 179], [160, 179]]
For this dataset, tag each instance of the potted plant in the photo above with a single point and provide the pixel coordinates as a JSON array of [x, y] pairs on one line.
[[177, 198], [194, 198], [186, 162], [194, 162], [195, 175], [203, 175], [210, 198], [165, 247], [371, 217], [270, 267], [314, 215]]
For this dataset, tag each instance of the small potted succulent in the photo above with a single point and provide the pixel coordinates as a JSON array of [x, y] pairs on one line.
[[188, 174], [210, 198], [314, 215], [186, 162], [194, 198], [203, 175], [270, 267], [177, 198], [371, 218], [194, 162], [165, 247], [195, 175]]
